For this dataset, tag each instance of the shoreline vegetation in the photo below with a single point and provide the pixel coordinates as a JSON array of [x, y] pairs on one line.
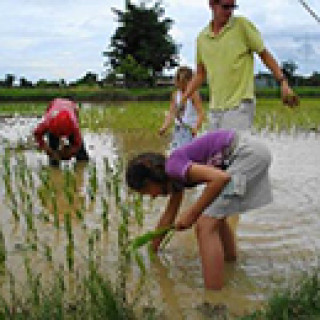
[[98, 94]]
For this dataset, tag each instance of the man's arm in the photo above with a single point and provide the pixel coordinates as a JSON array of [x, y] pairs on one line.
[[197, 102], [288, 96]]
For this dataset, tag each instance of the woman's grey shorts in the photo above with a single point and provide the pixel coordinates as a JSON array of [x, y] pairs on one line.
[[249, 187]]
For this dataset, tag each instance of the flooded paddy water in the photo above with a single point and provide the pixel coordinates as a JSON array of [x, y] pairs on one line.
[[276, 243]]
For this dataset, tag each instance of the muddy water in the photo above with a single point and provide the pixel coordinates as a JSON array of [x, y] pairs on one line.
[[275, 243]]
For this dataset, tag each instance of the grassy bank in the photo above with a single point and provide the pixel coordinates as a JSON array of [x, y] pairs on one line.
[[124, 94], [270, 114], [301, 300], [84, 94]]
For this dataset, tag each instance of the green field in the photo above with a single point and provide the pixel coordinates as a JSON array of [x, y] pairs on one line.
[[270, 114], [92, 93]]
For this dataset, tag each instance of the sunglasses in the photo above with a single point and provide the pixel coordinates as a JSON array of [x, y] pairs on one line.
[[229, 6]]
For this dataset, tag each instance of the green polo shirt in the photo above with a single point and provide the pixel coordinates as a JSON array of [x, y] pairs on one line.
[[229, 62]]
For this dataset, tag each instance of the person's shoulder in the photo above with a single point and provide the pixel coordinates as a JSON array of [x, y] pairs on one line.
[[205, 30], [243, 21]]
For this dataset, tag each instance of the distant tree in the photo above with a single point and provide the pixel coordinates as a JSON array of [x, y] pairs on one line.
[[89, 79], [314, 79], [110, 78], [137, 75], [143, 40], [289, 68], [24, 83], [42, 83], [62, 83], [9, 80]]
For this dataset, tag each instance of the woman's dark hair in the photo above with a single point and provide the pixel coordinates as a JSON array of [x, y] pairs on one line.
[[146, 167]]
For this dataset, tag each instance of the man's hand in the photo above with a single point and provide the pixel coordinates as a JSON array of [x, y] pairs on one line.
[[289, 98]]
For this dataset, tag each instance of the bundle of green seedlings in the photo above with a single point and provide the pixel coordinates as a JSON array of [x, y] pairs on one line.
[[146, 239]]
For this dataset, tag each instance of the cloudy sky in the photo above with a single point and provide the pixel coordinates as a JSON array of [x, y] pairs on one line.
[[55, 39]]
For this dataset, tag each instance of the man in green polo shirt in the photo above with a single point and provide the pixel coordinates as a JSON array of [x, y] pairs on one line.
[[225, 56]]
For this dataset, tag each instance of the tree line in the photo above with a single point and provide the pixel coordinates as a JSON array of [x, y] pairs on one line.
[[141, 51]]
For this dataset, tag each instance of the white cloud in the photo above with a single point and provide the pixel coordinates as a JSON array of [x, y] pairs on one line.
[[56, 39]]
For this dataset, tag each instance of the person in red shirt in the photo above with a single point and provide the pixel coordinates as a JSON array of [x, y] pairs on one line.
[[60, 125]]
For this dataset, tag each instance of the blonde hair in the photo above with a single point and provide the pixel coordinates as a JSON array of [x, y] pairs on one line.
[[183, 75]]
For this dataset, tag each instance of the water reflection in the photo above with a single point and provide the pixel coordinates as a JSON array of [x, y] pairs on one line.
[[62, 197]]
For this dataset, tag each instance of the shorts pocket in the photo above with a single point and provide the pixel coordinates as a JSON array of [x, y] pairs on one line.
[[236, 186]]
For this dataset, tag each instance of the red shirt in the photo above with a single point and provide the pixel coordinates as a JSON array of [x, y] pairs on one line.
[[55, 108]]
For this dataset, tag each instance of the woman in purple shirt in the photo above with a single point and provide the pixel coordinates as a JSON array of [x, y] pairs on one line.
[[234, 171]]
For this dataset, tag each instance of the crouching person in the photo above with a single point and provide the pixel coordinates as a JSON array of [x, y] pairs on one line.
[[60, 126], [234, 171]]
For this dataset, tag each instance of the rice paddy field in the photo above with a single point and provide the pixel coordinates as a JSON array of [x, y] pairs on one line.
[[66, 234]]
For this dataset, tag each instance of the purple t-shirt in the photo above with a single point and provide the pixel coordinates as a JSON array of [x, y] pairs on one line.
[[207, 149]]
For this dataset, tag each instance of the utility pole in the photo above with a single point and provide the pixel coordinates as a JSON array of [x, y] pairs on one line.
[[311, 12]]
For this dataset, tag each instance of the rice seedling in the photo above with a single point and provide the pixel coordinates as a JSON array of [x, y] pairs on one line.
[[44, 177], [79, 214], [123, 240], [116, 181], [108, 173], [56, 221], [68, 226], [44, 216], [138, 209], [107, 168], [48, 252], [2, 252], [93, 181], [105, 214], [70, 255], [139, 260], [14, 208], [299, 300], [147, 237], [33, 280], [69, 186]]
